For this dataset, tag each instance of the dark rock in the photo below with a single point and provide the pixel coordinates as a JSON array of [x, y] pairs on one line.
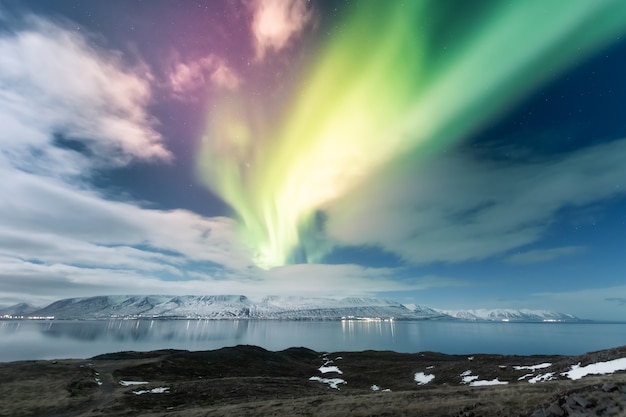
[[568, 410], [604, 404], [555, 410], [580, 401], [609, 387], [540, 413], [612, 411], [570, 402], [76, 387]]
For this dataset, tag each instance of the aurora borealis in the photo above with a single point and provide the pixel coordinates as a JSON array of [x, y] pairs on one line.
[[372, 96], [465, 152]]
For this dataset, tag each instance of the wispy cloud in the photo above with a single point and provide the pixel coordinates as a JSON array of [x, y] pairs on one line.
[[185, 78], [44, 283], [224, 76], [322, 280], [54, 82], [68, 109], [543, 255], [60, 237], [275, 23], [49, 226], [338, 279], [591, 303], [619, 300], [453, 208]]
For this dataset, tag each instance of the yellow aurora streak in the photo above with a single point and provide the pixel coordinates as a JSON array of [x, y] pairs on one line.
[[393, 78]]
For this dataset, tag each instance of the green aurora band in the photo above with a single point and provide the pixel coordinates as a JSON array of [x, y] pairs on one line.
[[394, 78]]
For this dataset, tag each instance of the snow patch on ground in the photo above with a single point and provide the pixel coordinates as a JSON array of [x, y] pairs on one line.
[[98, 381], [486, 383], [375, 387], [598, 368], [533, 367], [524, 376], [467, 377], [421, 378], [327, 369], [129, 383], [540, 378], [157, 390], [332, 382]]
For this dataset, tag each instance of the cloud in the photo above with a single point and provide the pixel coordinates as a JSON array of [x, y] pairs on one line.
[[336, 279], [224, 76], [60, 237], [187, 77], [76, 242], [543, 255], [54, 218], [67, 110], [589, 303], [55, 85], [275, 23], [456, 208], [323, 280], [619, 300], [44, 283]]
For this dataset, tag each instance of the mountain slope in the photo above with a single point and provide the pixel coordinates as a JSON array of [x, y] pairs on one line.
[[20, 309], [509, 315], [231, 306], [220, 306], [272, 307]]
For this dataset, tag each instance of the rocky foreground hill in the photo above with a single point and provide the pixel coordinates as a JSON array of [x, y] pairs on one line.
[[251, 381]]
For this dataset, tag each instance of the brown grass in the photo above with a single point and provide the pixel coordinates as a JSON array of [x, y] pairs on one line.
[[248, 381]]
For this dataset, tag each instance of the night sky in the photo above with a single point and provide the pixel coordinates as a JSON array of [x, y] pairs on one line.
[[451, 154]]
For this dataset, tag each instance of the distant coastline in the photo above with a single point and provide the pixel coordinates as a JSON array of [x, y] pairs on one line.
[[270, 307]]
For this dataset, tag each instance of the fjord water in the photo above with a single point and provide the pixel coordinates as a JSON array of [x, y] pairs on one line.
[[28, 339]]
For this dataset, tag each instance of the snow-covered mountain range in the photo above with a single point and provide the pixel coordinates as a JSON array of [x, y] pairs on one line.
[[230, 307], [21, 309], [509, 315], [272, 307]]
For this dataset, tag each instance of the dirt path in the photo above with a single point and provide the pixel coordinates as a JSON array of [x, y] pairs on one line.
[[109, 390]]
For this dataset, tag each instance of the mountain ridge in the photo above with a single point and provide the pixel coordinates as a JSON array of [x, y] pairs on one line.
[[20, 309], [506, 314], [272, 307]]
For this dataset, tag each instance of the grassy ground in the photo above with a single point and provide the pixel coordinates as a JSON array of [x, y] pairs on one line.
[[249, 381]]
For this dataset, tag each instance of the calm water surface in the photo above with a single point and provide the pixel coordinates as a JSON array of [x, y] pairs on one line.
[[22, 340]]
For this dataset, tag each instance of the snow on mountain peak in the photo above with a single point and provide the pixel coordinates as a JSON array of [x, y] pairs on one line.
[[272, 307], [508, 315], [231, 306]]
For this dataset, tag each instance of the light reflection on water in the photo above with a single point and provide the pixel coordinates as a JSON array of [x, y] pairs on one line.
[[21, 340], [355, 330]]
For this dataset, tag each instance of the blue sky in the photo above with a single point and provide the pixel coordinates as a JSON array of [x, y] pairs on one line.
[[105, 113]]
